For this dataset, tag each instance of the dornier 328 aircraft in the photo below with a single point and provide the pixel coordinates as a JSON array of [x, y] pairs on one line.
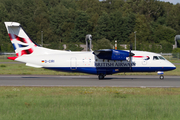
[[100, 62]]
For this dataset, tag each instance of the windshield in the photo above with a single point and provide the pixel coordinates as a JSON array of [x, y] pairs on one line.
[[162, 58], [158, 58]]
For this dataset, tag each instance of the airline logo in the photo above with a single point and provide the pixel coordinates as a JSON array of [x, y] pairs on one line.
[[115, 64], [21, 46], [143, 57]]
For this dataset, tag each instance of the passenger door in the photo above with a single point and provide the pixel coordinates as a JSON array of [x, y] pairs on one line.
[[73, 63]]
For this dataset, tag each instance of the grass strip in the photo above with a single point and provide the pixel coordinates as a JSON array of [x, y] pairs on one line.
[[88, 103]]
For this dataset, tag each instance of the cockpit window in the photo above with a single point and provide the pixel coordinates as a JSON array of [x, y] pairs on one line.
[[155, 58], [160, 57]]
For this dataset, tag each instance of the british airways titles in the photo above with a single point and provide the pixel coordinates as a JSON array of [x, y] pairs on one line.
[[115, 64]]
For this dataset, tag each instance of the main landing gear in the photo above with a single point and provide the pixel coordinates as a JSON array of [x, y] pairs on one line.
[[101, 76], [161, 75]]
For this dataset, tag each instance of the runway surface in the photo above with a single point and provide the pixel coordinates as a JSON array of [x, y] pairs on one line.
[[92, 80]]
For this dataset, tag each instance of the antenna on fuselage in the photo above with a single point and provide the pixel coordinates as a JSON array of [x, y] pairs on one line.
[[88, 44]]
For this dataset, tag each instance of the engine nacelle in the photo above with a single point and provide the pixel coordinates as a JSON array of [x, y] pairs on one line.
[[112, 54]]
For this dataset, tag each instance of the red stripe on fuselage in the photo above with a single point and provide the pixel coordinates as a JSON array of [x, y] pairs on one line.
[[138, 56], [141, 56]]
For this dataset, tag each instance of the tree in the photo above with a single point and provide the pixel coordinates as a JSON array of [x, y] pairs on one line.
[[142, 27], [155, 48], [165, 33], [73, 47], [173, 18], [102, 29], [166, 47], [102, 44], [5, 44], [58, 17], [82, 27], [176, 53], [70, 20]]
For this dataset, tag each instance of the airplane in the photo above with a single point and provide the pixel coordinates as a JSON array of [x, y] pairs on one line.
[[99, 62]]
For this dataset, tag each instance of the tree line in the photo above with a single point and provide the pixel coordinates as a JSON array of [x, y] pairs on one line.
[[69, 21]]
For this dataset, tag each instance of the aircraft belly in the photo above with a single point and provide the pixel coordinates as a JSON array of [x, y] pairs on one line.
[[151, 69], [90, 70]]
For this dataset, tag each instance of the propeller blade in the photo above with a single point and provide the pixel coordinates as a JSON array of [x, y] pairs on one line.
[[130, 55]]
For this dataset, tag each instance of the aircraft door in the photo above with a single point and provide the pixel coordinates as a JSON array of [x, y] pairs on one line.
[[144, 62], [73, 63]]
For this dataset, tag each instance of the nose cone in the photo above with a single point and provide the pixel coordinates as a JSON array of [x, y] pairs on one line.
[[172, 66], [131, 54], [167, 66]]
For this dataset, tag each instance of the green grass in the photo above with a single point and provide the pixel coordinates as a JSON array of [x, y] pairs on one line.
[[22, 69], [88, 103]]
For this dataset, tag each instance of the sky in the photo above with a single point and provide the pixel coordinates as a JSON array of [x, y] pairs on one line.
[[172, 1]]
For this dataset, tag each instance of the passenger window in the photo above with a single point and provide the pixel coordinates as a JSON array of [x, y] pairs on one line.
[[155, 58]]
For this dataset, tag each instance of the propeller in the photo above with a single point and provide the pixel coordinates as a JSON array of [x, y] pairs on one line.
[[130, 55]]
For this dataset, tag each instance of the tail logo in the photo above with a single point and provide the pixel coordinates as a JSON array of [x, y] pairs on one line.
[[21, 46]]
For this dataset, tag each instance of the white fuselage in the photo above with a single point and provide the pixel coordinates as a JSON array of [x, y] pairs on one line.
[[87, 62]]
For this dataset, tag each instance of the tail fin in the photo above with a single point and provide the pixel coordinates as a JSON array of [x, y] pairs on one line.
[[22, 44]]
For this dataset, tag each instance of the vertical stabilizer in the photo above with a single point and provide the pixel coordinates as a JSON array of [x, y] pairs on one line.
[[22, 44]]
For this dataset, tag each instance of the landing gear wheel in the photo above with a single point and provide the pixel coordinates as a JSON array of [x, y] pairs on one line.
[[101, 76], [161, 77]]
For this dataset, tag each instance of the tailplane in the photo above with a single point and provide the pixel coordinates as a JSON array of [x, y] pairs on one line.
[[21, 42]]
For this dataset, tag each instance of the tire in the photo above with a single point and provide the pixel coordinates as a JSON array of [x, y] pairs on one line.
[[101, 76], [161, 77]]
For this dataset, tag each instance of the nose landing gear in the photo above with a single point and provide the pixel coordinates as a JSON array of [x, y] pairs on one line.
[[161, 75]]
